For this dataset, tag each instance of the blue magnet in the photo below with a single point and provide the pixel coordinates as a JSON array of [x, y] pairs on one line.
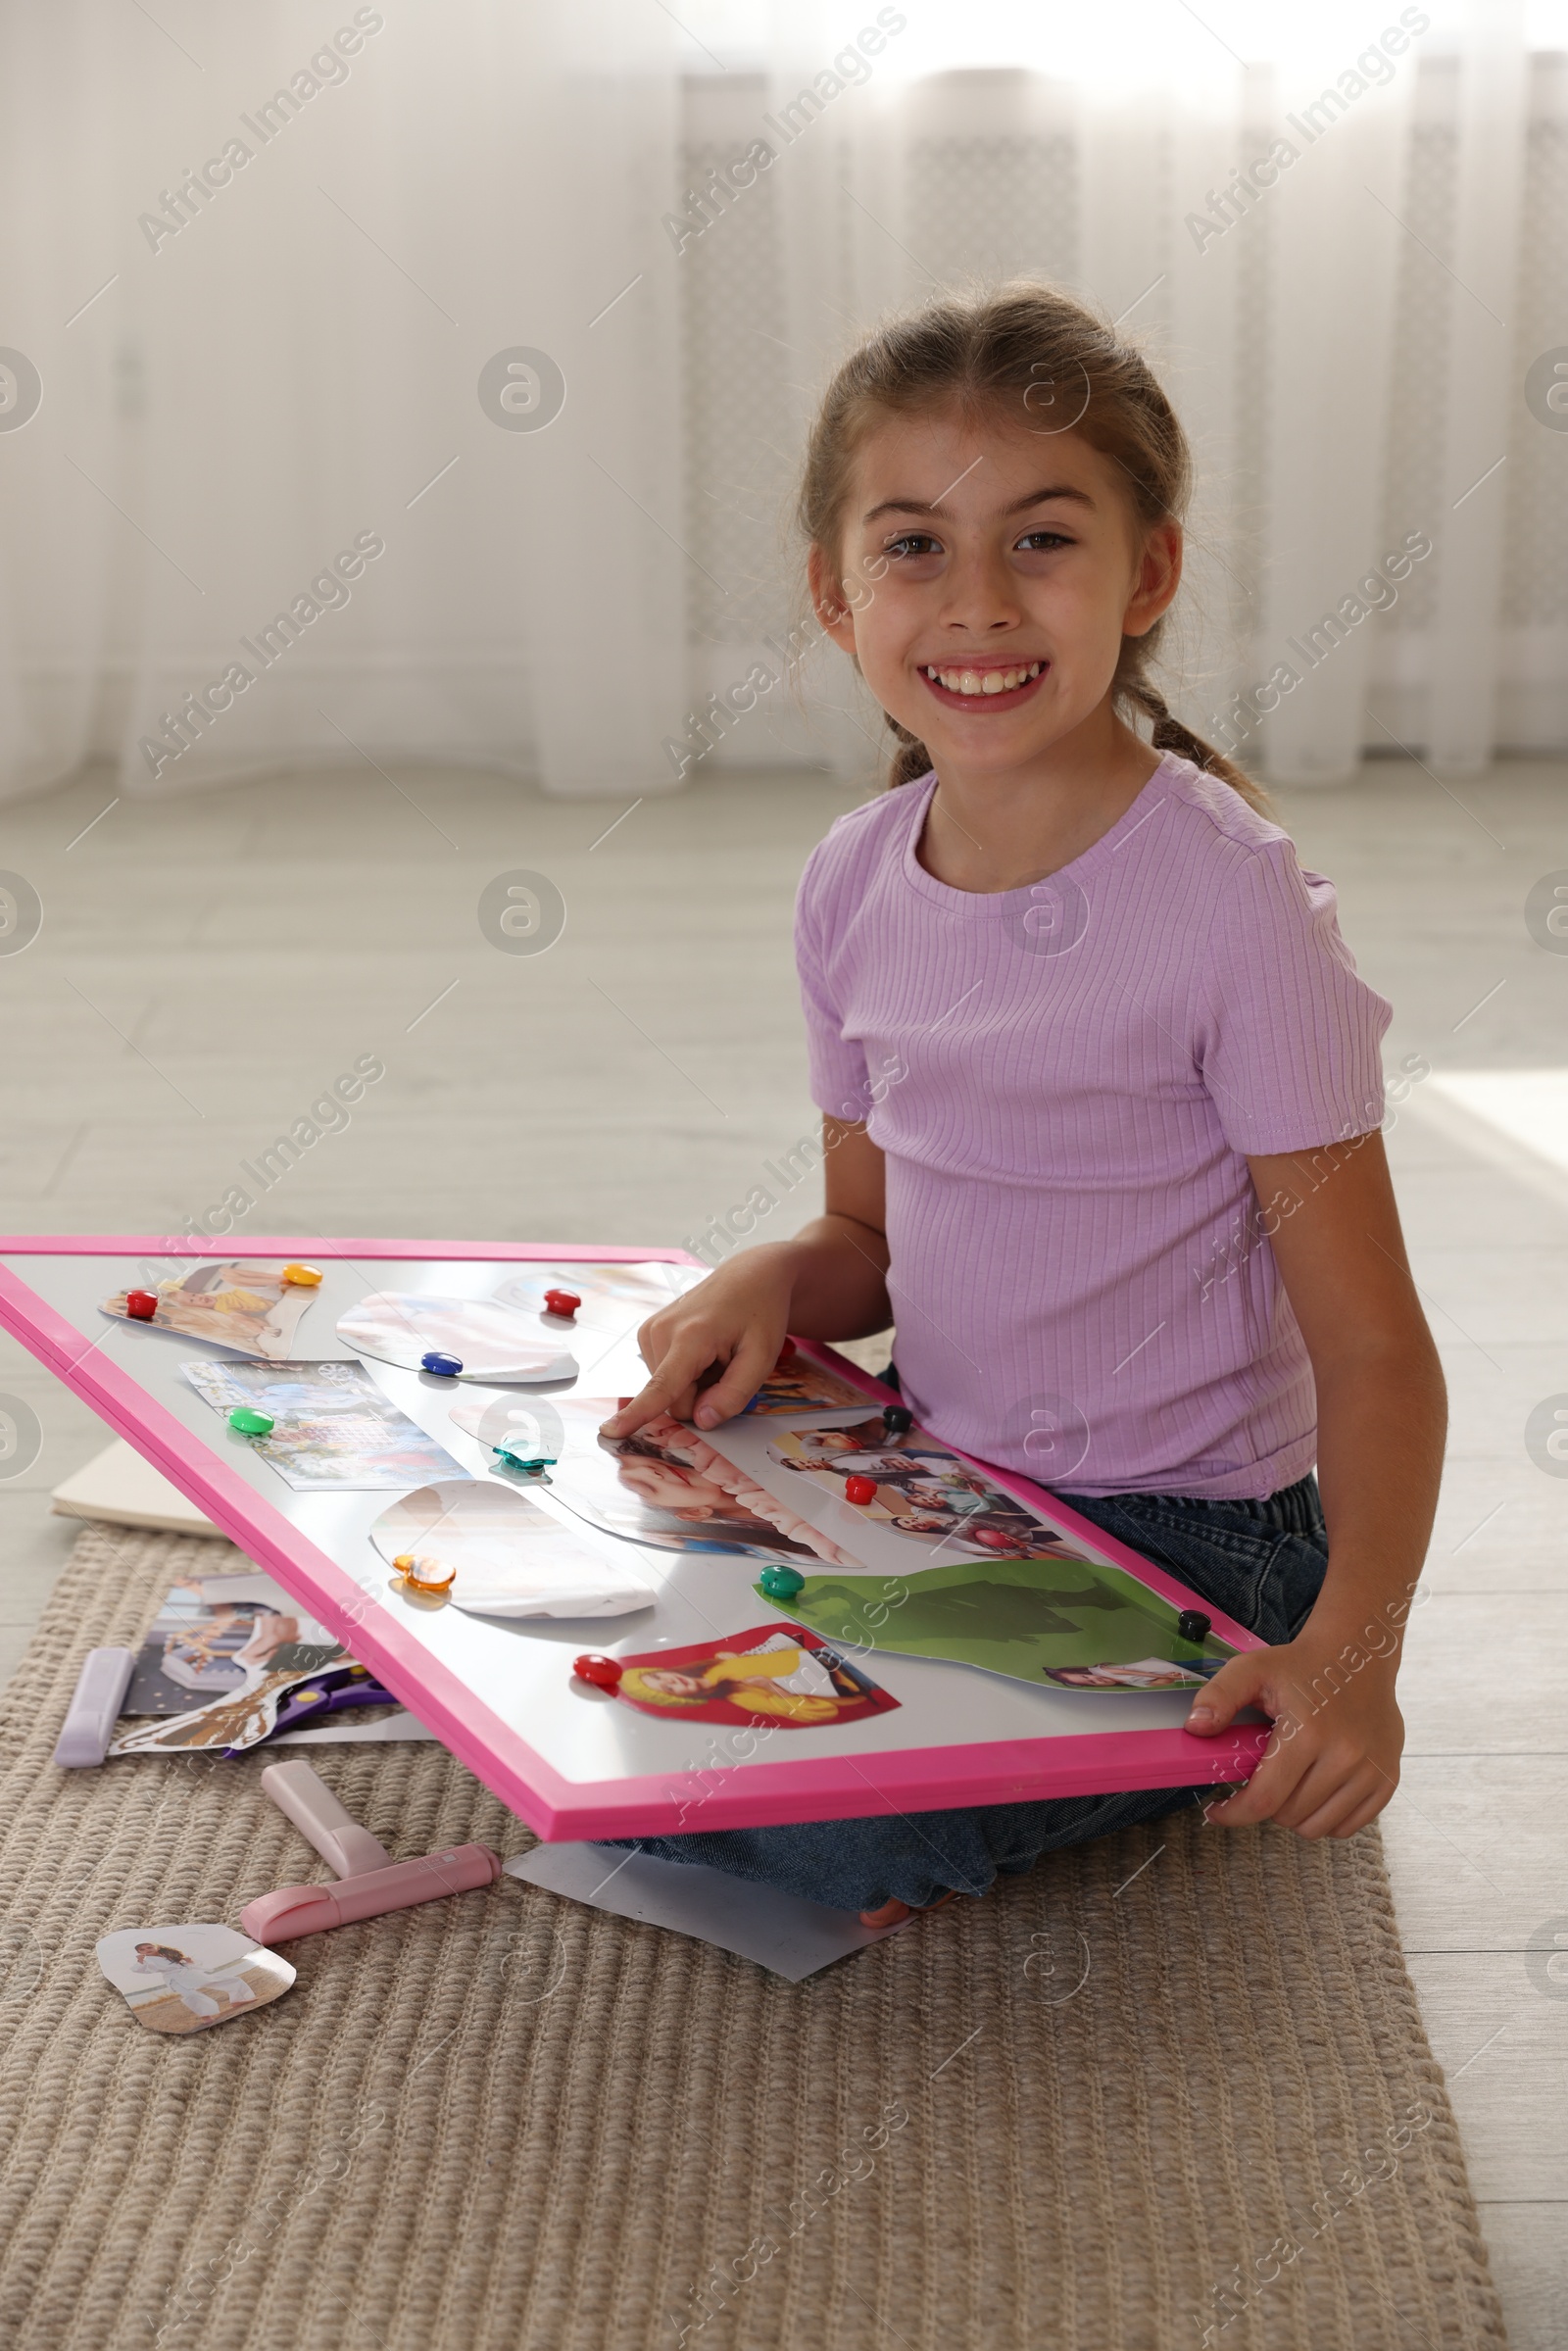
[[448, 1366]]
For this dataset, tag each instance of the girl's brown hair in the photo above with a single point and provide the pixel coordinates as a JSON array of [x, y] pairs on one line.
[[1032, 352]]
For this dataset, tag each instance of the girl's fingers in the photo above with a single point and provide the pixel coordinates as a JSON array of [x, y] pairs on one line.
[[1363, 1813], [1345, 1802], [1269, 1791], [747, 1369], [1234, 1687], [672, 1389]]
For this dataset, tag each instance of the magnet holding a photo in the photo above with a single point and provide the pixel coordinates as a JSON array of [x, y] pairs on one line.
[[303, 1277], [183, 1979], [603, 1673], [447, 1367], [859, 1489], [247, 1421], [141, 1304], [781, 1582], [421, 1573], [528, 1465]]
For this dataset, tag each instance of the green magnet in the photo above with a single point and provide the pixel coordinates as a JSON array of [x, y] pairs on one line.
[[781, 1582], [533, 1465], [249, 1422]]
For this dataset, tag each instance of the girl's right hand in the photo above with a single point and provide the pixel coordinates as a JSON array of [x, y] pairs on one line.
[[710, 1352]]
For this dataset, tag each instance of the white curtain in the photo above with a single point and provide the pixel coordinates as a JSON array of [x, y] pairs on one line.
[[242, 384], [235, 381], [1380, 534]]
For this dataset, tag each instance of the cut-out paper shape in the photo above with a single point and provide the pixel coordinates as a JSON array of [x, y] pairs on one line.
[[241, 1720], [340, 1687], [615, 1298], [345, 1729], [1070, 1621], [668, 1486], [493, 1344], [1138, 1674], [529, 1425], [783, 1933], [784, 1675], [248, 1309], [184, 1979], [512, 1557], [208, 1635], [919, 1488], [798, 1384], [333, 1430]]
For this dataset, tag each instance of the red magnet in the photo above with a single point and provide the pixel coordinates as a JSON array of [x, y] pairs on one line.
[[563, 1303], [603, 1672], [141, 1304], [786, 1354], [859, 1489]]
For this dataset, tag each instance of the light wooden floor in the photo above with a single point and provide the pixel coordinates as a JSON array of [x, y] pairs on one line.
[[205, 967]]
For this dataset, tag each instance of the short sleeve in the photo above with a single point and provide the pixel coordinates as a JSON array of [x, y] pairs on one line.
[[839, 1077], [1290, 1034]]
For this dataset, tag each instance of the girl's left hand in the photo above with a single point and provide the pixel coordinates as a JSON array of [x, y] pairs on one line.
[[1332, 1761]]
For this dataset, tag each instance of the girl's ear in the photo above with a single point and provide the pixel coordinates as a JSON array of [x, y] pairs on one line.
[[828, 600], [1159, 575]]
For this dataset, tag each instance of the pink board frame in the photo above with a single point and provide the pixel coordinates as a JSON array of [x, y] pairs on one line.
[[754, 1795]]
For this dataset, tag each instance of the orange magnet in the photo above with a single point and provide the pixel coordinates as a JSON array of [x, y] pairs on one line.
[[421, 1573]]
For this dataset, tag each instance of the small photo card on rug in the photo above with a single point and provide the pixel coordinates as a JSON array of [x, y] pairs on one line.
[[183, 1979]]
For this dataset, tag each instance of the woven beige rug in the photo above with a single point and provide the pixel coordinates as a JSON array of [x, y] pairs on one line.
[[1169, 2090]]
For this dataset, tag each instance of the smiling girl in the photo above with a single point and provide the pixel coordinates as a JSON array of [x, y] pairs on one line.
[[1134, 1052]]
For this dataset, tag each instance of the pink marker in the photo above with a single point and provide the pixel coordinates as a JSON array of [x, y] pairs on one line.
[[311, 1909]]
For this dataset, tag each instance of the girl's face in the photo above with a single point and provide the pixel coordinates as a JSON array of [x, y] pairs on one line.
[[668, 1488], [672, 1684], [987, 577]]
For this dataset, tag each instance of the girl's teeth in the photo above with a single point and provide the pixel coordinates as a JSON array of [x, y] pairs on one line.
[[983, 681]]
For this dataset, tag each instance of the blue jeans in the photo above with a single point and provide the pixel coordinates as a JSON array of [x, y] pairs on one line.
[[1261, 1563]]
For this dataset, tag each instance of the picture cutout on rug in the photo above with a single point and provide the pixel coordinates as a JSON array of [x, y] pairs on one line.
[[184, 1979]]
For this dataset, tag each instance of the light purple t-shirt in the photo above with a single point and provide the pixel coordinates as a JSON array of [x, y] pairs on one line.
[[1067, 1080]]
